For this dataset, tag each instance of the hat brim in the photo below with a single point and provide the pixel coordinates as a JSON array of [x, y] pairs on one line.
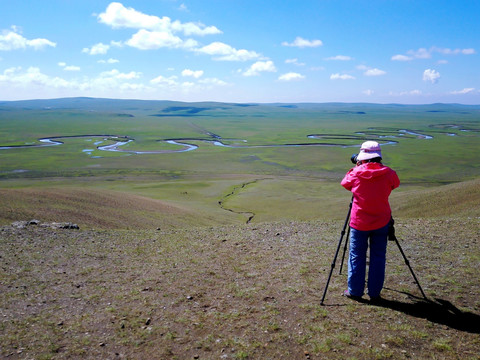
[[368, 155]]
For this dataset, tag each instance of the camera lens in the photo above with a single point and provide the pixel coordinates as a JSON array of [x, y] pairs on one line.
[[353, 159]]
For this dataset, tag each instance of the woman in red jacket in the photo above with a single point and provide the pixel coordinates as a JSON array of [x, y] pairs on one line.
[[371, 183]]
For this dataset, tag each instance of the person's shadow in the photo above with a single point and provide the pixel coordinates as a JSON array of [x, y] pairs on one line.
[[439, 311]]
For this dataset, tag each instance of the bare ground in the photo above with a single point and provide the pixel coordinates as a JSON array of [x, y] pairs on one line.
[[234, 292]]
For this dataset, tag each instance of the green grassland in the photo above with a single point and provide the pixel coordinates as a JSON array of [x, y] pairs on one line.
[[224, 252], [274, 169]]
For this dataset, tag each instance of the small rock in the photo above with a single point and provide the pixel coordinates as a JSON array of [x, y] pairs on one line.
[[19, 224]]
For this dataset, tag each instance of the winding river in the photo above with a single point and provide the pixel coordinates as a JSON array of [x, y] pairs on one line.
[[186, 145]]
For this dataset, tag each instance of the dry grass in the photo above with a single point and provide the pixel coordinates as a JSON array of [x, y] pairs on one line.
[[93, 208], [233, 292], [454, 200]]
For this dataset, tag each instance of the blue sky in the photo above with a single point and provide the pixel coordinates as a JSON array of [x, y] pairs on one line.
[[379, 51]]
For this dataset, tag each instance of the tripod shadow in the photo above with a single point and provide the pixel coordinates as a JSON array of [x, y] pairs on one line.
[[439, 311]]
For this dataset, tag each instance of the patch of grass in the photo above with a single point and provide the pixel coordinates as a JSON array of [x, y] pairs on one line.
[[442, 345]]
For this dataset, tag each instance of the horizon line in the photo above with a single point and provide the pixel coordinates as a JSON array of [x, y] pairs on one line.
[[233, 102]]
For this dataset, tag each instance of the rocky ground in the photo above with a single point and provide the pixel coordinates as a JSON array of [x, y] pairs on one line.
[[233, 292]]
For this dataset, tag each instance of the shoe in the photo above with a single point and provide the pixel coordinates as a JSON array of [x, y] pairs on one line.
[[347, 294]]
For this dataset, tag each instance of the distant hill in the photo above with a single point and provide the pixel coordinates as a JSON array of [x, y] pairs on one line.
[[85, 103], [105, 104]]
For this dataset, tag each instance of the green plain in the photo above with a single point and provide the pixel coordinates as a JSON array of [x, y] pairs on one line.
[[282, 173]]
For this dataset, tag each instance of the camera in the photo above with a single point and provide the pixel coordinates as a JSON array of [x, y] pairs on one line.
[[353, 158]]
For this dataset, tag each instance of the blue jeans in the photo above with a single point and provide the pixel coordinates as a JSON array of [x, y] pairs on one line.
[[357, 261]]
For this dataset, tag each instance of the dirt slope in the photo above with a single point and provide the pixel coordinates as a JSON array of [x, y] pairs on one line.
[[92, 208], [234, 292]]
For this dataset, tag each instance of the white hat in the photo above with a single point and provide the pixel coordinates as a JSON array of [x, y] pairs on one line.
[[369, 150]]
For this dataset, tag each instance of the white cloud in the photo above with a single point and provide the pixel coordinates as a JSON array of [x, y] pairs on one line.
[[173, 85], [413, 92], [109, 61], [260, 66], [31, 77], [196, 74], [154, 32], [69, 67], [424, 53], [227, 53], [447, 51], [213, 81], [341, 77], [187, 86], [374, 72], [368, 71], [340, 58], [368, 92], [294, 62], [118, 16], [431, 75], [401, 58], [97, 49], [464, 91], [406, 93], [116, 43], [164, 81], [44, 85], [302, 43], [12, 40], [421, 53], [121, 76], [148, 40], [195, 28], [291, 76]]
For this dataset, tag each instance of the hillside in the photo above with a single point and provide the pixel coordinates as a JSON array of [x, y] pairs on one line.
[[106, 209], [94, 208], [234, 292], [454, 200]]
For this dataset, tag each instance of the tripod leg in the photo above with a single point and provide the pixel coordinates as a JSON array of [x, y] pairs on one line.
[[411, 270], [332, 266], [344, 250], [336, 253]]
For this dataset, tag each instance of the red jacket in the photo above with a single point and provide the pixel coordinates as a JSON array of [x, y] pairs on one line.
[[371, 185]]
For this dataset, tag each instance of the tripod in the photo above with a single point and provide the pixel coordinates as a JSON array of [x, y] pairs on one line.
[[391, 236]]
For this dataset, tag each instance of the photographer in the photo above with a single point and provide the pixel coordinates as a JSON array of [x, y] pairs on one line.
[[371, 183]]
